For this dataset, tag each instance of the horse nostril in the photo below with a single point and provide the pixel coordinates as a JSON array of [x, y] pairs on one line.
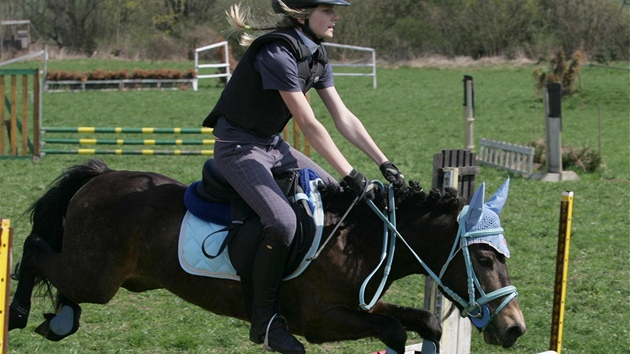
[[515, 331]]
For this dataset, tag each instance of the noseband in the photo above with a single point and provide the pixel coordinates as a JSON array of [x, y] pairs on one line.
[[475, 308]]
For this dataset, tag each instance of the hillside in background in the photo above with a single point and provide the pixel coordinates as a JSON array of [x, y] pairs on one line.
[[398, 30]]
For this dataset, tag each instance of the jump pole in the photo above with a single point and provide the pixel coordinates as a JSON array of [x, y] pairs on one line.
[[148, 152], [6, 241], [297, 137], [562, 267], [126, 130]]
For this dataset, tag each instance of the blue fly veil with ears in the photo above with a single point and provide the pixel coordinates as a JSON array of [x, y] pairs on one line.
[[484, 218]]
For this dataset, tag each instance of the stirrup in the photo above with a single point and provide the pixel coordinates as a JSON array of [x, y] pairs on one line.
[[266, 346]]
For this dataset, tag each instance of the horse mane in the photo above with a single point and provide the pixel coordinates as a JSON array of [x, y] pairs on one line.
[[337, 200], [412, 203]]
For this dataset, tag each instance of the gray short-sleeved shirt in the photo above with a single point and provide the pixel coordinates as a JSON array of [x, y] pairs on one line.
[[279, 70]]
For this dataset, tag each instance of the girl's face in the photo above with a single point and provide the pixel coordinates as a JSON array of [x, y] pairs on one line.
[[322, 21]]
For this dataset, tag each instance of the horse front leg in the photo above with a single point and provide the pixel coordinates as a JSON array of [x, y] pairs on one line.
[[343, 323], [423, 322]]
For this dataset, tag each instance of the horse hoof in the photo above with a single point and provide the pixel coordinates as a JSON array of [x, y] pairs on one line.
[[18, 315], [430, 347], [58, 326]]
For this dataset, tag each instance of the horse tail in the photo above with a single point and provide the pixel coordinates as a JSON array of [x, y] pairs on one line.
[[49, 211]]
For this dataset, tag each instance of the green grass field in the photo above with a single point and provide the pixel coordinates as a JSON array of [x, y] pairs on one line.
[[413, 114]]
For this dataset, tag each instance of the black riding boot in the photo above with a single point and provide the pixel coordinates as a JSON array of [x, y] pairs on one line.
[[269, 265]]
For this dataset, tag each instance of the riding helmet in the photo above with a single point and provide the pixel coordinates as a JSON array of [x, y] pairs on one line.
[[302, 4]]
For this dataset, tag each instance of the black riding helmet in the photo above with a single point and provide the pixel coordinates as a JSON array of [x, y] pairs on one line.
[[303, 4]]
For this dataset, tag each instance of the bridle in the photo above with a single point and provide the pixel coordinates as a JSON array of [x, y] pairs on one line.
[[475, 308]]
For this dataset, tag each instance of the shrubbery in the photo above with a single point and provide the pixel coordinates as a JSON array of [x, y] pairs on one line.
[[584, 158], [136, 74]]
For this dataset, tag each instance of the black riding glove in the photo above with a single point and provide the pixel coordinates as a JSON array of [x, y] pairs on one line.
[[359, 185], [392, 174]]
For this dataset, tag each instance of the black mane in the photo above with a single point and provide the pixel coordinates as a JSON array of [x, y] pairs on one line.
[[337, 200]]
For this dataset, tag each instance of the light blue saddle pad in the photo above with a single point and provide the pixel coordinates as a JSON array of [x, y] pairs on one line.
[[194, 231]]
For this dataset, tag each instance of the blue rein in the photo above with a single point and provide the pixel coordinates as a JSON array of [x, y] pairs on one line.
[[476, 309]]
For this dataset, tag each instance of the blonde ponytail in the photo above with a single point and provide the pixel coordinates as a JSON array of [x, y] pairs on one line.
[[240, 21]]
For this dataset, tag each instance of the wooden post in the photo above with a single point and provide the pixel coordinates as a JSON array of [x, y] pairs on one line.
[[297, 135], [2, 116], [37, 115], [13, 127], [24, 115], [456, 169]]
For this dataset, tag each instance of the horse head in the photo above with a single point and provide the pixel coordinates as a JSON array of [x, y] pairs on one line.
[[486, 297]]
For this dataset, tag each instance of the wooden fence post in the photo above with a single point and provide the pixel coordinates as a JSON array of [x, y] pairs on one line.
[[456, 169]]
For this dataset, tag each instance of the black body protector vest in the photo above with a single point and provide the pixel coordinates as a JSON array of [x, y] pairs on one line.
[[247, 106]]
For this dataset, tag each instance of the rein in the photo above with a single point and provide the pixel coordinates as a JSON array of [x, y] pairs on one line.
[[475, 309]]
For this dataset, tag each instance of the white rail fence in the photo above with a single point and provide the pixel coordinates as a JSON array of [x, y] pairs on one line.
[[515, 158], [371, 64], [226, 64]]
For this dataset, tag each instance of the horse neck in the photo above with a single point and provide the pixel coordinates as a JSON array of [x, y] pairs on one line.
[[430, 236], [430, 231]]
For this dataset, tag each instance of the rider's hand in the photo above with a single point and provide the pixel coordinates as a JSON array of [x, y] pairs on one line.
[[392, 174], [359, 185]]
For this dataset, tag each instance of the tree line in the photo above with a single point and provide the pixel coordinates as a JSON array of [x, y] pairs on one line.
[[397, 29]]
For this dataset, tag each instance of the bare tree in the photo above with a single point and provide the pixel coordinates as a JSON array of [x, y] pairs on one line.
[[72, 24]]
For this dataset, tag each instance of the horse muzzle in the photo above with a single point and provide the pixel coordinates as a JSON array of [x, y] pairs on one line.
[[506, 327]]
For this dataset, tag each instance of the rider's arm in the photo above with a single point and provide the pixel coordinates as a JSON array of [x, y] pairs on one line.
[[349, 125], [314, 131]]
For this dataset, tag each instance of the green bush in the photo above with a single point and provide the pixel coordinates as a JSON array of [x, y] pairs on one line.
[[584, 158]]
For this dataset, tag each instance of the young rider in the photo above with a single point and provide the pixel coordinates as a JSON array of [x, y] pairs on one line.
[[266, 89]]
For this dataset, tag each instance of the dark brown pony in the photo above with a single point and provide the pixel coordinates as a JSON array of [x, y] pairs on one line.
[[96, 230]]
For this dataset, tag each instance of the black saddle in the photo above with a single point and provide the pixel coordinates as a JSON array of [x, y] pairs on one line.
[[214, 187]]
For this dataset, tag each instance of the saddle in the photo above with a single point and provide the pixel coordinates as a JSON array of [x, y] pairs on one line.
[[213, 199]]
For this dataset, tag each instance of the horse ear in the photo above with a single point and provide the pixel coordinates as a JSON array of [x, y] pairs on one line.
[[499, 198], [475, 208]]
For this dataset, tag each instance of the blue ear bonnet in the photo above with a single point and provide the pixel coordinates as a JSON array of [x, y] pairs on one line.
[[490, 220], [483, 217]]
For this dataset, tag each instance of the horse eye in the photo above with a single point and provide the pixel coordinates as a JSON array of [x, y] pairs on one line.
[[484, 261]]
